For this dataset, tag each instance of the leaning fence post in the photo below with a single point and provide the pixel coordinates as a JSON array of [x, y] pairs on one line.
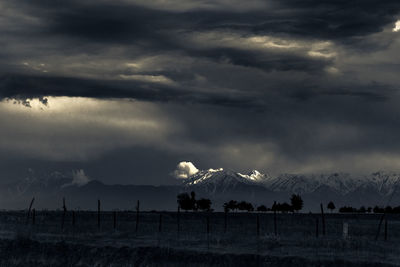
[[137, 215], [29, 210], [33, 216], [98, 214], [323, 220], [379, 227]]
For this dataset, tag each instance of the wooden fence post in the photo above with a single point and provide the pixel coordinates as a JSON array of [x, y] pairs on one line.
[[225, 221], [98, 213], [345, 230], [178, 220], [379, 227], [29, 210], [208, 231], [386, 229], [323, 220], [160, 224], [63, 215], [275, 230], [115, 219], [33, 216], [137, 215]]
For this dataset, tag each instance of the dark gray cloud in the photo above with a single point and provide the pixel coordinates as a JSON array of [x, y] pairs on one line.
[[276, 85]]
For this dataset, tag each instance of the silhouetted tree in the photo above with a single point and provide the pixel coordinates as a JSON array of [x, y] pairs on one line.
[[388, 209], [262, 208], [347, 209], [396, 209], [204, 204], [331, 206], [184, 201], [231, 205], [297, 202], [362, 209], [243, 205], [193, 200], [378, 210], [285, 207], [369, 210]]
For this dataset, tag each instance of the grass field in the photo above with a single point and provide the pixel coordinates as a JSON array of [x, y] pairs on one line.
[[200, 241]]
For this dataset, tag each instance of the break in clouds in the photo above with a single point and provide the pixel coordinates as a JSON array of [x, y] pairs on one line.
[[122, 87]]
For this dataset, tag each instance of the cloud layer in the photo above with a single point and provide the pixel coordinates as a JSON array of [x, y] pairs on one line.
[[281, 86]]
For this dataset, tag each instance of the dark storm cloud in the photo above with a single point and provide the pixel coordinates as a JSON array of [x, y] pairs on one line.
[[22, 87], [265, 62], [303, 80], [86, 23]]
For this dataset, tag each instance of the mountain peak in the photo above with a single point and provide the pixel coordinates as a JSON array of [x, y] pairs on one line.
[[254, 176]]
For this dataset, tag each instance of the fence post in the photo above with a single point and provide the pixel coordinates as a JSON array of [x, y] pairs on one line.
[[114, 220], [63, 216], [29, 210], [323, 220], [225, 221], [178, 220], [258, 225], [208, 231], [275, 230], [386, 229], [137, 215], [316, 228], [33, 216], [345, 230], [98, 213], [160, 224], [379, 227]]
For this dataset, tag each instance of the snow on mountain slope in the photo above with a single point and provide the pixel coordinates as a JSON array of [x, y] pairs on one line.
[[221, 181], [340, 183]]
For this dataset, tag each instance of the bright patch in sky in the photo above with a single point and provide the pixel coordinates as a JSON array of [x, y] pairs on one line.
[[397, 26]]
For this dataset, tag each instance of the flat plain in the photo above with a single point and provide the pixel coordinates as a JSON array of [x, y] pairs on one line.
[[124, 238]]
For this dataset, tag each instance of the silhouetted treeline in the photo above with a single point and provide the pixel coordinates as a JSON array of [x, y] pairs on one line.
[[189, 202], [376, 209], [296, 205]]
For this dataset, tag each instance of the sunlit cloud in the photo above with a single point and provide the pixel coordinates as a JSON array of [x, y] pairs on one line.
[[149, 78], [397, 26], [77, 128]]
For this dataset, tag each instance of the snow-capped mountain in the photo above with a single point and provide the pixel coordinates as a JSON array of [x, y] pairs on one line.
[[220, 180], [35, 183], [342, 188], [217, 184]]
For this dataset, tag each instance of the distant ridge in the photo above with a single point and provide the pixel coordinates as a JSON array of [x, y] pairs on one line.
[[217, 184]]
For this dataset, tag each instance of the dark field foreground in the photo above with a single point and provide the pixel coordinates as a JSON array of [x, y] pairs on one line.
[[84, 244]]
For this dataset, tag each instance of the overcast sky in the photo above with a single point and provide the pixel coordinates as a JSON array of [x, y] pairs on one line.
[[125, 89]]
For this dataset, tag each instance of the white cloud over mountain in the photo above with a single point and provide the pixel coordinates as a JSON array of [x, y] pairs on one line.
[[184, 170]]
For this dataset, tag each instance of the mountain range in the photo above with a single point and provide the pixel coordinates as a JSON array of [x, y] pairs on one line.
[[379, 188]]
